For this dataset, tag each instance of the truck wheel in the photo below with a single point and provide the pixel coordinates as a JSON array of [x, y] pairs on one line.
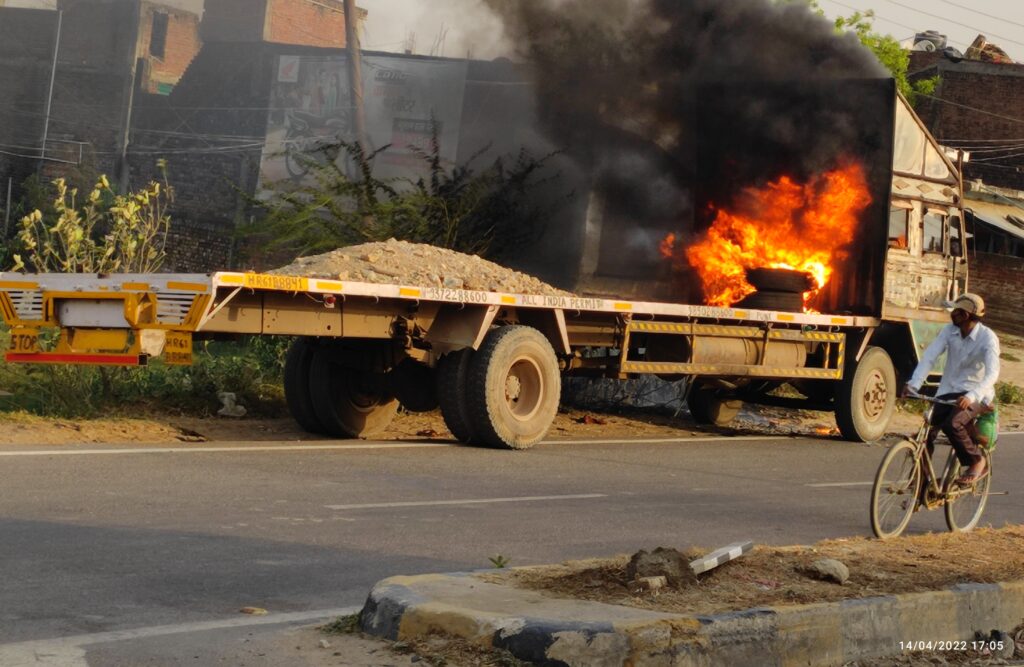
[[349, 403], [707, 407], [866, 397], [452, 374], [296, 385], [513, 389]]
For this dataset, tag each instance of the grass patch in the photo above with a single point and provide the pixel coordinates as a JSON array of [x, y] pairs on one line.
[[252, 368], [343, 625], [1008, 393], [1008, 357]]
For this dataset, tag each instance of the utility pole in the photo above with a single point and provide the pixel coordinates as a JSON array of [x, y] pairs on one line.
[[355, 73], [49, 95]]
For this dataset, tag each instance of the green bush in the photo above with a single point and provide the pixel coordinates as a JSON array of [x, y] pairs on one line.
[[108, 232], [1009, 393], [252, 368]]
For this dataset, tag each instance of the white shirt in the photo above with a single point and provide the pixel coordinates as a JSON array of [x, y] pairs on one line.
[[972, 363]]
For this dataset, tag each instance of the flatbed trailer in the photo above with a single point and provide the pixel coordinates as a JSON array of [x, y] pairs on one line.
[[493, 361]]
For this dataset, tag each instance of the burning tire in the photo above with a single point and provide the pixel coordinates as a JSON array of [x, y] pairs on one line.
[[792, 302], [866, 396], [708, 407], [296, 385], [349, 402], [452, 374], [780, 280], [513, 389]]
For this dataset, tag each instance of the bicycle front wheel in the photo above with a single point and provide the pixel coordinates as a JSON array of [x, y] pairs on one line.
[[894, 495], [964, 504]]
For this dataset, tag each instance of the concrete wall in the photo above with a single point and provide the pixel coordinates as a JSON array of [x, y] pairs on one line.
[[999, 280], [26, 52], [213, 165]]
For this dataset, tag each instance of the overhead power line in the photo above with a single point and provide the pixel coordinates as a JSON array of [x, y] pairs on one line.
[[954, 21], [976, 109], [1001, 19]]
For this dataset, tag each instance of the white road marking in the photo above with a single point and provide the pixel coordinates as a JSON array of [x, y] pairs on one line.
[[209, 450], [831, 484], [468, 501], [242, 447], [655, 441], [70, 651]]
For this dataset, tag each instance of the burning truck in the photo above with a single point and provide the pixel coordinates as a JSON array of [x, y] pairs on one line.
[[822, 269]]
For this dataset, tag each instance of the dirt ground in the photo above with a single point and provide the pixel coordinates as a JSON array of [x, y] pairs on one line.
[[25, 429], [778, 575]]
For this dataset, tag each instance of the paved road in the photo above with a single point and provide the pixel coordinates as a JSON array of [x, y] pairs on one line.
[[159, 541]]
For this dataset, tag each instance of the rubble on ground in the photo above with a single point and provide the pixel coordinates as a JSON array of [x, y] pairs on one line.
[[416, 265]]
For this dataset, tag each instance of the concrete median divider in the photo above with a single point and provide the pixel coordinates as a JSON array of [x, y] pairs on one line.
[[551, 631]]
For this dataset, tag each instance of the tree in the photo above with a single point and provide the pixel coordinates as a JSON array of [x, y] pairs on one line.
[[887, 50], [484, 210], [890, 54]]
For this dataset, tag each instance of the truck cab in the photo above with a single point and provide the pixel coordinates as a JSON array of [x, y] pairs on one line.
[[926, 260]]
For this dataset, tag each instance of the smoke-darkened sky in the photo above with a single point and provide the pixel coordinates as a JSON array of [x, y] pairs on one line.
[[391, 21], [453, 27]]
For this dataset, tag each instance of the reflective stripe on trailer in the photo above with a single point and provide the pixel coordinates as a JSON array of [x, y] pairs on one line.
[[85, 359]]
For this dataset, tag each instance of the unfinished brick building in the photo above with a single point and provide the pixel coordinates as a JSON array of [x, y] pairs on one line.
[[305, 22], [976, 107]]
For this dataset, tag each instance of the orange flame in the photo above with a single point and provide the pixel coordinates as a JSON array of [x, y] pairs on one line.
[[788, 226]]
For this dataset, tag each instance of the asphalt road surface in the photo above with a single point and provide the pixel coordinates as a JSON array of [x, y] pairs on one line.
[[112, 553]]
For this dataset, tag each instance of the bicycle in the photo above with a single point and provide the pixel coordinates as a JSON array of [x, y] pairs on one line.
[[906, 482]]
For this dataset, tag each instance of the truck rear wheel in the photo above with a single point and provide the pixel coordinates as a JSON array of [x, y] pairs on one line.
[[866, 396], [452, 374], [707, 407], [350, 403], [513, 389], [296, 385]]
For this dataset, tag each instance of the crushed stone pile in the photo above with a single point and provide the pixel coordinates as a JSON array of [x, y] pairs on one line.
[[418, 265]]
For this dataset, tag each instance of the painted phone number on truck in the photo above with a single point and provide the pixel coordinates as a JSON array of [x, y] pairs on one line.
[[464, 296]]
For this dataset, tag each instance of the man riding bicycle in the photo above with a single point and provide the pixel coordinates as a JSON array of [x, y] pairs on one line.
[[969, 378]]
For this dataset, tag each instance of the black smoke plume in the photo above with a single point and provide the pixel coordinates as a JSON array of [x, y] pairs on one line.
[[622, 76], [671, 104]]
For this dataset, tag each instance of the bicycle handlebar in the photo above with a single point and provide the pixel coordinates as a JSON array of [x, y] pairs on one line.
[[929, 399]]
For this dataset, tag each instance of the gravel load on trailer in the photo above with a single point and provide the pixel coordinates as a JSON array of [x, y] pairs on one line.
[[418, 265]]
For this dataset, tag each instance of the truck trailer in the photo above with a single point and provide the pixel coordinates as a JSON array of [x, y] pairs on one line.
[[493, 362]]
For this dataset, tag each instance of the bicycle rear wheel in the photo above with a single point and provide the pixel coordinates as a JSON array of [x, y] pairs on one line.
[[894, 495], [964, 505]]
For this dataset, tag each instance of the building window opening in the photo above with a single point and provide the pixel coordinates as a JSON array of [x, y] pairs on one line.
[[898, 218], [934, 225], [158, 38], [956, 245]]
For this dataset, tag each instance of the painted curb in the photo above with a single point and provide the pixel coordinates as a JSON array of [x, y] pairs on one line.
[[557, 633]]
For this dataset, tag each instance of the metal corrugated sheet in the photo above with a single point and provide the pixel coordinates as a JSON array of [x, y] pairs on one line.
[[1005, 217]]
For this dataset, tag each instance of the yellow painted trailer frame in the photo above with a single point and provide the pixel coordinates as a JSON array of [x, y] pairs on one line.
[[129, 319]]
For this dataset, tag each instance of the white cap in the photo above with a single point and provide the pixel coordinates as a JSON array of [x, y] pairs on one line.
[[969, 303]]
